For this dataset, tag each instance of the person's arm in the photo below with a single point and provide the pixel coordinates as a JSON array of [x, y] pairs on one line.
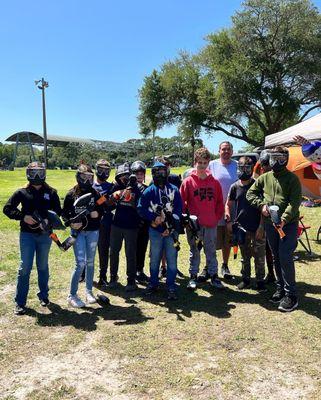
[[11, 209], [177, 204], [68, 208], [295, 196], [143, 207], [55, 203], [184, 196], [255, 194]]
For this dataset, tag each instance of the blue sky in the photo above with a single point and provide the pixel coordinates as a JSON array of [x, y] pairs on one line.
[[95, 56]]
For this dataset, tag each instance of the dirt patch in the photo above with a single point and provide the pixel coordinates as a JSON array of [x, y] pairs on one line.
[[86, 370]]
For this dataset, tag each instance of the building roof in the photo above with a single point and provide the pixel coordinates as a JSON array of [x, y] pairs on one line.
[[56, 140]]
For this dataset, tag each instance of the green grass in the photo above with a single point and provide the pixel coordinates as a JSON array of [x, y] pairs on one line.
[[207, 345]]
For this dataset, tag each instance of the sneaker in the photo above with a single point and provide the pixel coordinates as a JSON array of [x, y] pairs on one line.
[[19, 310], [260, 286], [277, 296], [163, 271], [131, 286], [244, 284], [270, 278], [192, 284], [75, 301], [102, 283], [172, 295], [141, 277], [44, 302], [225, 272], [288, 303], [203, 276], [113, 282], [150, 290], [180, 274], [216, 282], [90, 298]]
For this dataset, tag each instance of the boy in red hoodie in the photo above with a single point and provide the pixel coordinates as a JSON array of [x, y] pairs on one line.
[[202, 196]]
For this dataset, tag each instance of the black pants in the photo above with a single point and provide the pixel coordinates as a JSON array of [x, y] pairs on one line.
[[103, 249], [117, 235], [269, 258], [142, 242]]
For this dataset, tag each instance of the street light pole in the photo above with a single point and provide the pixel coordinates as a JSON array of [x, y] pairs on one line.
[[42, 85]]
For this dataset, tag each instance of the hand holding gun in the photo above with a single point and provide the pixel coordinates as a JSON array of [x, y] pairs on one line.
[[276, 220]]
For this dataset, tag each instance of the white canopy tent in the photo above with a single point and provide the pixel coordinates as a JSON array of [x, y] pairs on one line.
[[310, 129]]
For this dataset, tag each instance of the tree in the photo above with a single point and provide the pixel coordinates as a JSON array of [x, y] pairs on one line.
[[252, 79]]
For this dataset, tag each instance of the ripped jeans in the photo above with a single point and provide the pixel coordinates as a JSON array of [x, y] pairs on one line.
[[84, 250]]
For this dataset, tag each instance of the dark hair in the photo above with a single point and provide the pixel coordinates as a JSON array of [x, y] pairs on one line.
[[226, 142], [245, 160], [280, 149]]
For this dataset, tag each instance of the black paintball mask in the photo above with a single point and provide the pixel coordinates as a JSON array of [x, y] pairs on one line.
[[102, 170], [160, 176], [36, 173], [245, 171], [85, 179], [278, 161]]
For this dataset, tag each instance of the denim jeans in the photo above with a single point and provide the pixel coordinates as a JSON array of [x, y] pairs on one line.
[[31, 244], [282, 251], [84, 250], [158, 244], [208, 236]]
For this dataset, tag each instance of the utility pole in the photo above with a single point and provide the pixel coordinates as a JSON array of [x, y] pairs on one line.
[[42, 85]]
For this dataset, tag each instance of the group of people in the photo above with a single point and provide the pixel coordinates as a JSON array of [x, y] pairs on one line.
[[221, 198]]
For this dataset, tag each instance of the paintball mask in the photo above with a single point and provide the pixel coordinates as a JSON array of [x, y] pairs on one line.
[[278, 160], [102, 170], [159, 174], [244, 172], [36, 173], [85, 179]]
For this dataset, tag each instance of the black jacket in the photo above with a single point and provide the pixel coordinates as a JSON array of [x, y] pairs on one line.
[[68, 210], [31, 199]]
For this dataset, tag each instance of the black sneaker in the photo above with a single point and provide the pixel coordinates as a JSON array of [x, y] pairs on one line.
[[216, 282], [113, 282], [150, 290], [277, 296], [172, 295], [225, 272], [163, 271], [141, 277], [102, 283], [19, 310], [244, 284], [203, 276], [44, 302], [288, 303], [270, 278], [131, 286], [192, 283], [180, 274], [260, 286]]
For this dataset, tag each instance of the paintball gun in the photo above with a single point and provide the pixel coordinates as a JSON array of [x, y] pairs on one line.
[[275, 218], [171, 222], [191, 222], [48, 225]]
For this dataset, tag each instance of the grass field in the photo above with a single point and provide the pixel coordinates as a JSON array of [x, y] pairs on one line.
[[207, 345]]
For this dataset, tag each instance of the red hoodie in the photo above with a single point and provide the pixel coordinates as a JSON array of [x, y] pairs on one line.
[[203, 198]]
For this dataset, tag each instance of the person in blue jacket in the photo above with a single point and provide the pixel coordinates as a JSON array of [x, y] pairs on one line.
[[157, 196]]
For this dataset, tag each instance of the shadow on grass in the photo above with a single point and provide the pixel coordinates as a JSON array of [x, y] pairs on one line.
[[87, 318]]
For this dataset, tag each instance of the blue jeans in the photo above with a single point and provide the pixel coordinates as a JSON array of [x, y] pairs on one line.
[[158, 244], [31, 243], [84, 250], [282, 251]]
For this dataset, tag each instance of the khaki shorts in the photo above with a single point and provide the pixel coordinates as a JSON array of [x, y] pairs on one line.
[[224, 238]]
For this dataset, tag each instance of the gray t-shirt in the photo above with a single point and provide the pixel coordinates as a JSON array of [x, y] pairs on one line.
[[226, 174]]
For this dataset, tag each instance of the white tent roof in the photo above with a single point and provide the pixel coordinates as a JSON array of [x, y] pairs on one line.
[[309, 129]]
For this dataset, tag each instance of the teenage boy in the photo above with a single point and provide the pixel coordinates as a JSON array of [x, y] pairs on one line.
[[202, 196], [158, 195], [280, 188], [124, 226], [139, 169], [247, 225], [104, 188]]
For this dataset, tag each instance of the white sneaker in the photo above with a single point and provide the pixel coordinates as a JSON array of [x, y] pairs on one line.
[[90, 298], [75, 301]]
